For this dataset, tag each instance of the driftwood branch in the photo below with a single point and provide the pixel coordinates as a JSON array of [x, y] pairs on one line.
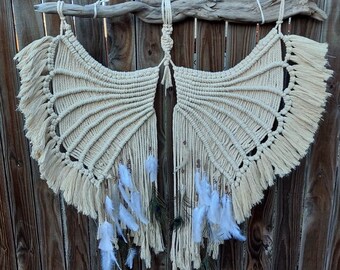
[[211, 10]]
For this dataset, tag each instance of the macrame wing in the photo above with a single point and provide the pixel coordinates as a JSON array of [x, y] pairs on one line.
[[243, 126], [84, 119]]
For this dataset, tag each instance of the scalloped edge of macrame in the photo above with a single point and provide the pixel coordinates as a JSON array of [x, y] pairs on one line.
[[308, 98]]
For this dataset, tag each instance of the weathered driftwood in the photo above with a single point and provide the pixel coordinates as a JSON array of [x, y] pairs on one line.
[[211, 10]]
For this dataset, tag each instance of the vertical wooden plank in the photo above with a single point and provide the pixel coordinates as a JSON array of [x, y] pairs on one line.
[[210, 45], [240, 41], [7, 248], [182, 55], [16, 158], [47, 204], [260, 233], [290, 193], [322, 191], [121, 42], [320, 177], [331, 35], [8, 258], [90, 33], [287, 223], [52, 22], [148, 54]]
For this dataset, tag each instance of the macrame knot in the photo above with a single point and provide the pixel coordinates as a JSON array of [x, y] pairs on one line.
[[167, 43]]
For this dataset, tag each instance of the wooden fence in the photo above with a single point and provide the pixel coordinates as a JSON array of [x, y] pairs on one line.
[[297, 225]]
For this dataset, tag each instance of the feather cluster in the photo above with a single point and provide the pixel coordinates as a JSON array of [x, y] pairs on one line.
[[151, 167], [132, 198], [106, 234], [131, 255], [214, 212]]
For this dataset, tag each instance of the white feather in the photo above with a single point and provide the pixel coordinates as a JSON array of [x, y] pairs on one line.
[[108, 259], [127, 218], [107, 263], [131, 255], [125, 195], [120, 231], [136, 207], [228, 227], [204, 196], [224, 222], [112, 209], [151, 167], [109, 207], [214, 212], [125, 176], [106, 247], [197, 223], [106, 236]]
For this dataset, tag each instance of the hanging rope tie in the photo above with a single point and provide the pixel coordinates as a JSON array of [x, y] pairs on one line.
[[262, 15], [60, 5], [281, 14], [166, 42], [99, 2]]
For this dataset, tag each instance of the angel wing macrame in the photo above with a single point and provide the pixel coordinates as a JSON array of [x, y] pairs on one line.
[[235, 130], [93, 129], [93, 133]]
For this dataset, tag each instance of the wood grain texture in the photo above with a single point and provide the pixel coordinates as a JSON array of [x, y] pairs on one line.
[[15, 152], [210, 45], [46, 202], [231, 10], [148, 54], [320, 177], [121, 42], [182, 55], [7, 247], [297, 224], [330, 34]]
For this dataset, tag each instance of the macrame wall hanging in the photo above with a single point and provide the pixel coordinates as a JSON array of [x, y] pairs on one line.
[[93, 133]]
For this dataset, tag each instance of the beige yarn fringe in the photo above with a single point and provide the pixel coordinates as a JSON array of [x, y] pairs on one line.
[[307, 92], [304, 98], [35, 64]]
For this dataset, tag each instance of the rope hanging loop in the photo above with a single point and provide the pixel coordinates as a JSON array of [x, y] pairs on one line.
[[166, 42]]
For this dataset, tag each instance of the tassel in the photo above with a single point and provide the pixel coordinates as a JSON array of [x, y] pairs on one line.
[[131, 255], [228, 227], [197, 223], [137, 207], [125, 176], [151, 167], [106, 246], [127, 218], [214, 209]]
